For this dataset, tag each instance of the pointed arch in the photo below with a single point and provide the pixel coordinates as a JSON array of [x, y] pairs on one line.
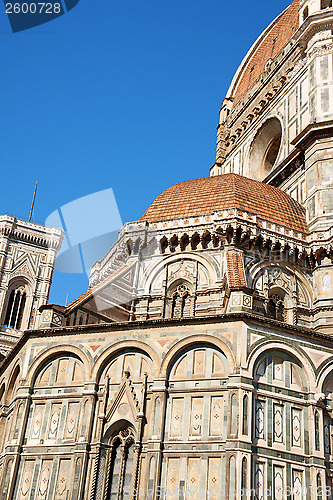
[[177, 347], [325, 372], [260, 267], [245, 420], [152, 273], [232, 478], [319, 485], [181, 301], [244, 474], [124, 345], [12, 384], [119, 467], [233, 414], [114, 428], [65, 350], [296, 352], [156, 421]]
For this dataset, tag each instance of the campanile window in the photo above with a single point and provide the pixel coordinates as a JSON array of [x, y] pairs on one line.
[[181, 302], [15, 308]]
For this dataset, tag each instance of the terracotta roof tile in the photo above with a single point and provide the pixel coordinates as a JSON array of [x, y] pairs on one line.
[[210, 194], [268, 45], [235, 269]]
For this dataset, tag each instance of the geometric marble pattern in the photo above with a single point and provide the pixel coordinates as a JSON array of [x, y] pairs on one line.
[[176, 429], [260, 420], [193, 479], [216, 416], [259, 480], [44, 480], [278, 423], [214, 478], [296, 420], [173, 479]]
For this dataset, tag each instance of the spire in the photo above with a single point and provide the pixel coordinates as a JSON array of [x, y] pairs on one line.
[[33, 202]]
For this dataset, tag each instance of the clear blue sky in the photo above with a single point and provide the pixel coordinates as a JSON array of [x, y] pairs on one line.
[[121, 94]]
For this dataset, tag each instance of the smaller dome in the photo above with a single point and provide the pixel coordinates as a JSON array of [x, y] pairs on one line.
[[211, 194]]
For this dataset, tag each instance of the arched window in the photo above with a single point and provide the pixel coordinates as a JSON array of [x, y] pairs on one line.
[[319, 487], [151, 478], [181, 302], [244, 478], [326, 4], [317, 439], [232, 478], [305, 13], [120, 465], [245, 414], [275, 307], [233, 419], [15, 308], [13, 385], [156, 416]]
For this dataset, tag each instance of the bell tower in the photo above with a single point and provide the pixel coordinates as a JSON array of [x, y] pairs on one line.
[[27, 257]]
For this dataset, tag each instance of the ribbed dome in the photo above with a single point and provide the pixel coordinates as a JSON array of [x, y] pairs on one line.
[[268, 45], [210, 194]]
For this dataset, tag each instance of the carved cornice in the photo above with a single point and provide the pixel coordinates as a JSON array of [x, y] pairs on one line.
[[294, 161], [27, 232], [313, 132], [273, 79], [320, 309], [318, 22], [239, 227], [257, 99]]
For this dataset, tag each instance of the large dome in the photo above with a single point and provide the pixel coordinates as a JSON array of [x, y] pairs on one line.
[[267, 47], [210, 194]]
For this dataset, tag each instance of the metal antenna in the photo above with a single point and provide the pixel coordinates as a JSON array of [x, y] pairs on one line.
[[33, 202]]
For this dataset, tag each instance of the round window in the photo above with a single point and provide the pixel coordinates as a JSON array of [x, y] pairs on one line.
[[265, 149]]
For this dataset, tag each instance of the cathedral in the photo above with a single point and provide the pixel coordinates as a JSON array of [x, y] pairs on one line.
[[199, 362]]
